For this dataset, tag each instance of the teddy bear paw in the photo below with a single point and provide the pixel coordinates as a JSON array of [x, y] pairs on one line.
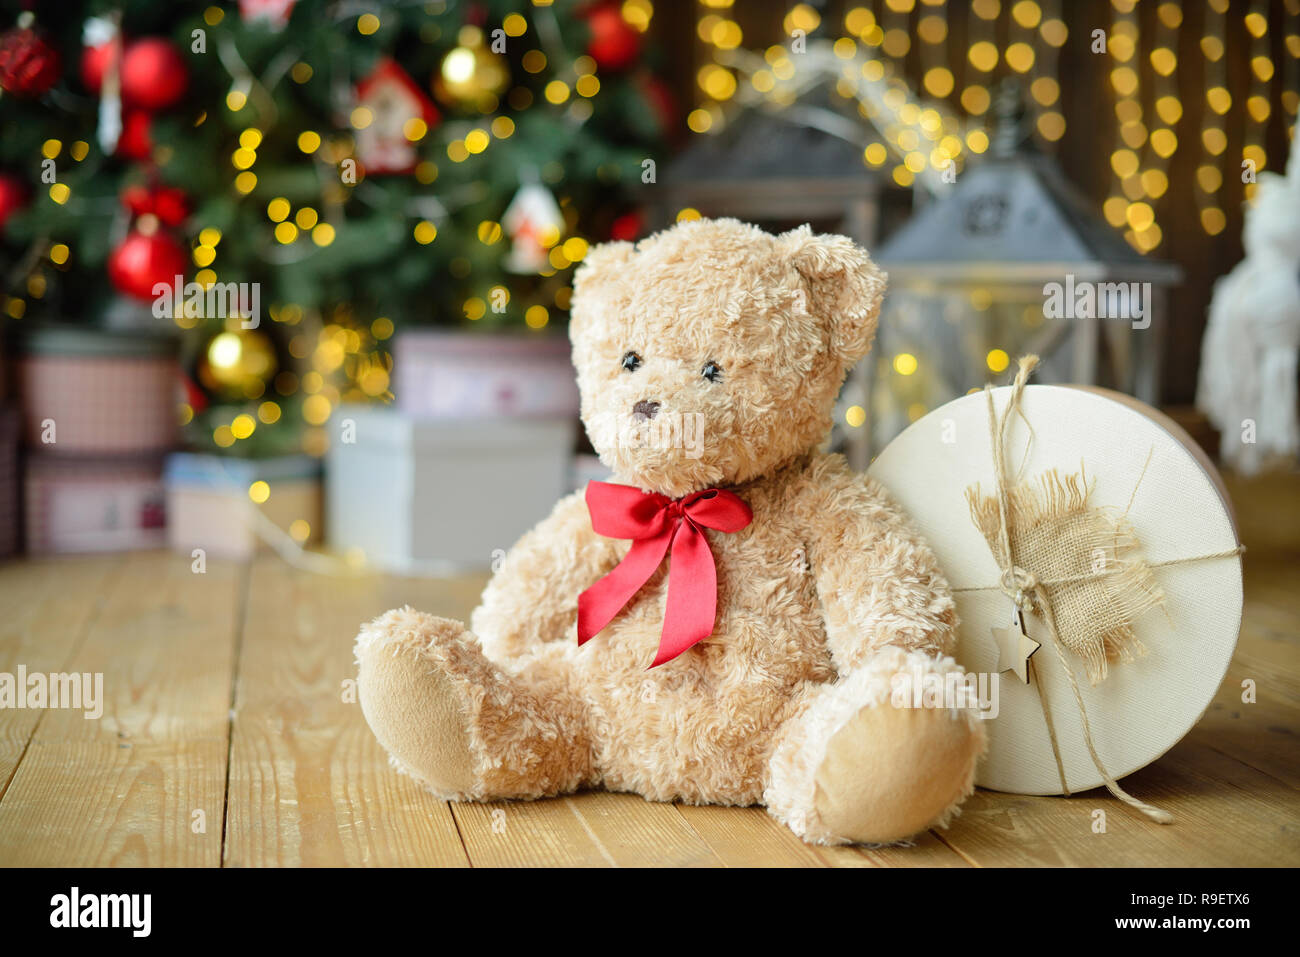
[[890, 772], [858, 766], [412, 701]]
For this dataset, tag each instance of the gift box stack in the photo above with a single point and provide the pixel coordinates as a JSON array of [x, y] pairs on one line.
[[98, 414], [477, 449]]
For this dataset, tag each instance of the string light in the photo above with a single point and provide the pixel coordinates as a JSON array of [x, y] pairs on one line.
[[1209, 175], [1254, 159]]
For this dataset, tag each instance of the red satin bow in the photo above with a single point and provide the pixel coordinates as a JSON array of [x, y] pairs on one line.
[[655, 523]]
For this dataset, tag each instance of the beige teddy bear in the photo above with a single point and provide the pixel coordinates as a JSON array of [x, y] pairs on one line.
[[749, 601]]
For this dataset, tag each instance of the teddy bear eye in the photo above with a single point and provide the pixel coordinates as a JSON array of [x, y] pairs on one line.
[[631, 361], [711, 371]]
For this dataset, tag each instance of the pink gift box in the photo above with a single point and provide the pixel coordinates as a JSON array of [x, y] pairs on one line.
[[76, 504], [448, 375], [96, 392]]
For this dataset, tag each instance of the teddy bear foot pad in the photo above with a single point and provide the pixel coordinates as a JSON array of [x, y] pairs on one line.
[[454, 721]]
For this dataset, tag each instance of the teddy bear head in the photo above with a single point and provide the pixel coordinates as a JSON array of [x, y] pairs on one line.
[[711, 353]]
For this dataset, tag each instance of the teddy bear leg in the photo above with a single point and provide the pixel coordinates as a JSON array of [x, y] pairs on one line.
[[851, 767], [460, 725]]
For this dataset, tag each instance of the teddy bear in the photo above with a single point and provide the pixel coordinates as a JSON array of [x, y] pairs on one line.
[[726, 621]]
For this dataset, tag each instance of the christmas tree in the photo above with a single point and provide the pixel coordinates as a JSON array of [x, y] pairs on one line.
[[332, 170]]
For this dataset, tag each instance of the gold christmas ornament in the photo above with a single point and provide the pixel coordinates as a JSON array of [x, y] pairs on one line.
[[471, 75], [238, 362]]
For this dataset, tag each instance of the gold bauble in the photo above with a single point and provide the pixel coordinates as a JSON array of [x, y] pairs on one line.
[[238, 361], [471, 75]]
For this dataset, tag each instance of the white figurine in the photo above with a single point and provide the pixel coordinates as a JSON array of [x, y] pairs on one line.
[[1248, 357]]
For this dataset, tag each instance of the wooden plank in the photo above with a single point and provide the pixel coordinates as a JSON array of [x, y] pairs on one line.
[[529, 834], [749, 837], [640, 833], [1264, 734], [309, 785], [46, 608], [123, 790], [927, 850], [1225, 814], [591, 829]]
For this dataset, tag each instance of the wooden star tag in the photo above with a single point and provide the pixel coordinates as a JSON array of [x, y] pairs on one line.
[[1015, 647]]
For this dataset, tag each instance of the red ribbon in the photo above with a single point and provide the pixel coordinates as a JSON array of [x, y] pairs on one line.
[[656, 523]]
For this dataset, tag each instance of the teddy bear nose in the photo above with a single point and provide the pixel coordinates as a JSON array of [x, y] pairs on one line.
[[645, 409]]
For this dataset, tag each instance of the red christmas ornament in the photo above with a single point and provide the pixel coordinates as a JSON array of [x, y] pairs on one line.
[[28, 65], [662, 103], [627, 227], [194, 395], [168, 203], [95, 64], [136, 142], [13, 197], [614, 45], [144, 259], [270, 13], [154, 75]]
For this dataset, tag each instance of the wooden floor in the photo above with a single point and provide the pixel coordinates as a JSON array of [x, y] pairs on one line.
[[229, 739]]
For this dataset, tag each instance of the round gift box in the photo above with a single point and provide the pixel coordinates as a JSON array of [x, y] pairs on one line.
[[104, 392], [1171, 498]]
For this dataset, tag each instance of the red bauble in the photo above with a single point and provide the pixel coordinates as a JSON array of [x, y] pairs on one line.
[[154, 75], [627, 227], [13, 196], [170, 205], [614, 45], [662, 103], [135, 142], [28, 65], [95, 62], [145, 258]]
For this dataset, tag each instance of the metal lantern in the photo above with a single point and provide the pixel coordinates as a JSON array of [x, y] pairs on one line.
[[1012, 260], [779, 170]]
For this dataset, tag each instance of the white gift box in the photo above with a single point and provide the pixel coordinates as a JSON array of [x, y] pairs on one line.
[[437, 496]]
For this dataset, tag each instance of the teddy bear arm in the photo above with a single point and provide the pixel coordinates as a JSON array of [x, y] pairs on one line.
[[879, 584], [532, 598]]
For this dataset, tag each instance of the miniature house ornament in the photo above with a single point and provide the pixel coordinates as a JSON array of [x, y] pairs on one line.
[[400, 114]]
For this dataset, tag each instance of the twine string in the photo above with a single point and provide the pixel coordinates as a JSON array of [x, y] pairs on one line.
[[1029, 594]]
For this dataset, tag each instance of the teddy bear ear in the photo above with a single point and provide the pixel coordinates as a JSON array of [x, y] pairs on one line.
[[599, 260], [845, 287], [597, 267]]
